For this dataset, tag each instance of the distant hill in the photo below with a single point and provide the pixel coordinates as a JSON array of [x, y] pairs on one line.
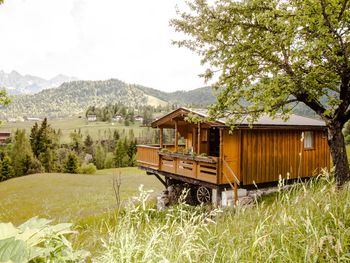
[[74, 97], [15, 83], [197, 97]]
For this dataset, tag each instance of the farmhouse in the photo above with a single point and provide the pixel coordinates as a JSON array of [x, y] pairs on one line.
[[91, 118], [211, 159], [117, 118], [139, 118]]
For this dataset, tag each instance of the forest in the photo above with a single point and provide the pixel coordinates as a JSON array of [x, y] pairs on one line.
[[41, 151]]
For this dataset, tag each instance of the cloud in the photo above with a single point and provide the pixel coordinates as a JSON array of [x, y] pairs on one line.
[[129, 40]]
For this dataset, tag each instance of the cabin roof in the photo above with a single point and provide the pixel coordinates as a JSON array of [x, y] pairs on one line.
[[263, 121]]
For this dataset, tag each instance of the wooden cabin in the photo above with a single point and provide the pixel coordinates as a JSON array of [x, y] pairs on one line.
[[210, 158]]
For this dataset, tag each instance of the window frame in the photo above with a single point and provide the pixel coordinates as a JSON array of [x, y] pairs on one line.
[[312, 140]]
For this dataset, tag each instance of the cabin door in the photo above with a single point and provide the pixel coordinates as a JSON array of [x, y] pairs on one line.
[[231, 155]]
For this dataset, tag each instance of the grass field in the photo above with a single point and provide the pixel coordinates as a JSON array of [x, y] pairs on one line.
[[68, 197], [95, 129]]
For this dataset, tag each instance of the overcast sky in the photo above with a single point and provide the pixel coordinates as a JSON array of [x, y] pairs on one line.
[[125, 39]]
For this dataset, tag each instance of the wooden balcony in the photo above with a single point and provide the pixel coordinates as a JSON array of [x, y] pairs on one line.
[[195, 167]]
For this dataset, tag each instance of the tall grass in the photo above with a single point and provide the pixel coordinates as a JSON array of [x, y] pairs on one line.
[[308, 223]]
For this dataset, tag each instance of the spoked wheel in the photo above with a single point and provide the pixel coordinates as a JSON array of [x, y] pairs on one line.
[[203, 195]]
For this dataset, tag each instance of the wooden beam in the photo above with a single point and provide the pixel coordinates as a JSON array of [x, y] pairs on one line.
[[199, 139], [176, 137], [221, 155], [161, 138]]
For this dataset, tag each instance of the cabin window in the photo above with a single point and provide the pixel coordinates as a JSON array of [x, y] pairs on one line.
[[308, 140]]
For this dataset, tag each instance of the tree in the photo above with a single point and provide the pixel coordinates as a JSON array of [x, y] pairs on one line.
[[21, 153], [76, 141], [44, 142], [6, 171], [33, 139], [100, 156], [271, 55], [71, 164], [120, 154], [88, 144]]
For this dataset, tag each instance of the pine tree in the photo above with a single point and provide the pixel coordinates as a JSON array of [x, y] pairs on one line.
[[44, 142], [34, 139], [100, 156], [21, 153], [71, 164], [88, 144], [131, 152], [120, 153], [6, 171]]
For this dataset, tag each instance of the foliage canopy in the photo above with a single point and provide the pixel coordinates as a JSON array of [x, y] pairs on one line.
[[271, 55]]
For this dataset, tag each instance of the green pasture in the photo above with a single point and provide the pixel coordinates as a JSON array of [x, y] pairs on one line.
[[98, 130], [68, 197]]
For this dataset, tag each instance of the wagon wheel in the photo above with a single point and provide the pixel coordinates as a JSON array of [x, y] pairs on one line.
[[203, 195]]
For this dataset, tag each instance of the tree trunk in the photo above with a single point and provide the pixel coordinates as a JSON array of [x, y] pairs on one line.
[[338, 151]]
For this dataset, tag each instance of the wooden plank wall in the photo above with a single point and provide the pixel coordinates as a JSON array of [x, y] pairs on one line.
[[266, 154]]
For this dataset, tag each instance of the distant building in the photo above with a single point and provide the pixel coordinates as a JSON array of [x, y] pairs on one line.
[[11, 119], [91, 118], [117, 118], [4, 136], [33, 119], [139, 118]]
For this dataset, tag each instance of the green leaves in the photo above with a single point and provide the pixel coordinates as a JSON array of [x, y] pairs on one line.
[[37, 239], [270, 53]]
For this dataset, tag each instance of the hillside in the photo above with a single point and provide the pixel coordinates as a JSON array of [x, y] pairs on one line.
[[197, 97], [73, 98], [308, 223], [15, 83]]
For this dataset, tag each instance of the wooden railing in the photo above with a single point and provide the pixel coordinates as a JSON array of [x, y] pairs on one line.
[[201, 168], [204, 169], [148, 156], [236, 182]]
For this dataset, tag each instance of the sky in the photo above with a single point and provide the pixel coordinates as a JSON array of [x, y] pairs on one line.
[[94, 40]]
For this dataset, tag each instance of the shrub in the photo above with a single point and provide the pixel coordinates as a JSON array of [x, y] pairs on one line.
[[35, 167], [38, 241], [71, 164], [109, 161], [87, 169]]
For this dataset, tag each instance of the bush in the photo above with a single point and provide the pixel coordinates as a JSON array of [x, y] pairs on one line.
[[87, 169], [38, 241], [109, 161], [35, 167], [71, 164]]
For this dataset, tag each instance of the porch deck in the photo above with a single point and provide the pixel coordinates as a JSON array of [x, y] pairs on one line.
[[195, 167]]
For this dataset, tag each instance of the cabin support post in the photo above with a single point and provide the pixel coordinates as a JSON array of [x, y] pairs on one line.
[[199, 139], [221, 153], [176, 136], [161, 138]]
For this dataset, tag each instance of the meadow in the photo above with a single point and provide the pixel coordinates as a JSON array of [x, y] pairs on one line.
[[308, 223], [97, 130], [68, 197]]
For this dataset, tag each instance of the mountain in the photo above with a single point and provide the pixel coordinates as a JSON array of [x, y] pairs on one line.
[[197, 97], [15, 83], [73, 98]]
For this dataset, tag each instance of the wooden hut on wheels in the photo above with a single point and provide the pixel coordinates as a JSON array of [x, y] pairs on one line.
[[211, 159]]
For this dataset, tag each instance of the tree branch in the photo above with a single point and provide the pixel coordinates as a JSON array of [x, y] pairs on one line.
[[345, 3]]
